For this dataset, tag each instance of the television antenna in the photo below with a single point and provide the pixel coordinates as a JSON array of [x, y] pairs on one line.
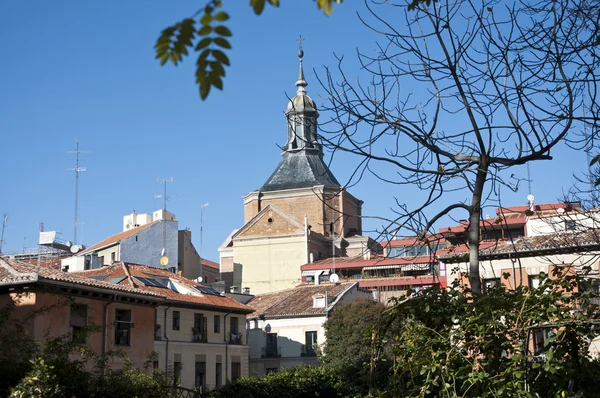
[[164, 196], [4, 221], [77, 169]]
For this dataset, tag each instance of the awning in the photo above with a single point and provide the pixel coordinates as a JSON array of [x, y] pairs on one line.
[[315, 272], [382, 267], [405, 267]]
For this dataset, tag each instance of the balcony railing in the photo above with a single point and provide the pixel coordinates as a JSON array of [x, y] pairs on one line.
[[200, 334], [308, 351], [236, 338], [270, 351]]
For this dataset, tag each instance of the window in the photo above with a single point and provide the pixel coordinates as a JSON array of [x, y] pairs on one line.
[[236, 370], [78, 323], [176, 320], [218, 374], [217, 325], [271, 349], [310, 345], [491, 282], [199, 329], [200, 374], [155, 364], [541, 337], [570, 226], [176, 372], [534, 281], [101, 260], [113, 257], [271, 370], [123, 326], [233, 325]]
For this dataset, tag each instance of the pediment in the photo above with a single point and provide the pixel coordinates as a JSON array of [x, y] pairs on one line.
[[269, 222]]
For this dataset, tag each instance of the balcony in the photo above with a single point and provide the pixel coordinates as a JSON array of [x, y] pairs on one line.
[[270, 351], [236, 338], [200, 333], [308, 351]]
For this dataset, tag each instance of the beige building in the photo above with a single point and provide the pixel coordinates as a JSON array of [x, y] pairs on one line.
[[300, 214], [286, 327], [98, 314], [199, 334]]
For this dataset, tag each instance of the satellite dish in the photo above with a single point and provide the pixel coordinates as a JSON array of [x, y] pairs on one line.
[[530, 198], [69, 243], [164, 260], [560, 210], [198, 279], [74, 249], [334, 278]]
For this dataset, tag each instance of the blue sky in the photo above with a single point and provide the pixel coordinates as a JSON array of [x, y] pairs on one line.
[[86, 71]]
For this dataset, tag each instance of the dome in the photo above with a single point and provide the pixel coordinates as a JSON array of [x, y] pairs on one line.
[[301, 103]]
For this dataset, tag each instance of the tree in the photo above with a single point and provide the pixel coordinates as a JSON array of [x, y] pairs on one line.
[[206, 33], [506, 343], [354, 333], [491, 86]]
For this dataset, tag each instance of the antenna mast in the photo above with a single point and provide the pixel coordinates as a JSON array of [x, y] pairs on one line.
[[201, 225], [77, 169], [165, 197], [4, 221]]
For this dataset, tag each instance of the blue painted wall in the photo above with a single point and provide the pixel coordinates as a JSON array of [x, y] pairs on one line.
[[146, 246]]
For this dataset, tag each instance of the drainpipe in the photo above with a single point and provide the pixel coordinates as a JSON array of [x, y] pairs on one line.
[[104, 327], [226, 346], [167, 340]]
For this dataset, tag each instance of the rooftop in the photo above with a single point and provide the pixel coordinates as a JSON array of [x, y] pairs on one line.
[[151, 279], [295, 302], [117, 238], [18, 272]]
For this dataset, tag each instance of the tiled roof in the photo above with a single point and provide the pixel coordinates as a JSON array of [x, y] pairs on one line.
[[295, 302], [14, 271], [117, 237], [142, 271], [564, 242], [211, 264], [359, 262]]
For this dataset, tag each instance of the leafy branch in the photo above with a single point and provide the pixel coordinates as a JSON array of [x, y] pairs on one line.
[[206, 33]]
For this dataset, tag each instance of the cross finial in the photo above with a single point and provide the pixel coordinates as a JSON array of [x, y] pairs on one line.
[[300, 52]]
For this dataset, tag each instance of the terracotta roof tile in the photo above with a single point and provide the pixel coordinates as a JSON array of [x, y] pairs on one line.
[[211, 264], [296, 301], [117, 237], [360, 262], [564, 242], [17, 271], [143, 271]]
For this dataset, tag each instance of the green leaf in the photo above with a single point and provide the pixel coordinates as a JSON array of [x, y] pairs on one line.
[[205, 30], [221, 57], [258, 6], [206, 19], [204, 89], [217, 68], [221, 16], [203, 43], [221, 42], [222, 30]]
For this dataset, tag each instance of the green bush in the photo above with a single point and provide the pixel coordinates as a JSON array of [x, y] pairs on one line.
[[297, 382]]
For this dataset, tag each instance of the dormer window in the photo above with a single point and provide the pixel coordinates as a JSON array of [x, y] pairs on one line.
[[319, 301]]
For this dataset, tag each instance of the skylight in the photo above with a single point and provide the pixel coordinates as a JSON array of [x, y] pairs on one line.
[[150, 282], [116, 280], [207, 290]]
